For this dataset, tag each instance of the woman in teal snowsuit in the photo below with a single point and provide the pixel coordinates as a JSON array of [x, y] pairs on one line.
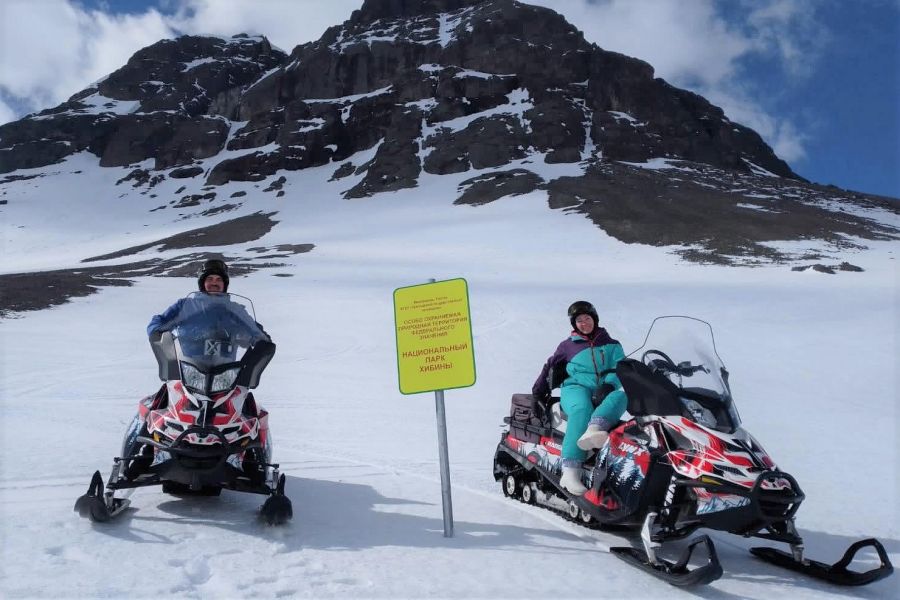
[[590, 356]]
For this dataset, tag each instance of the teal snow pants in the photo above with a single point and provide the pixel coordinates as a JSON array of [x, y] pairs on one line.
[[576, 401]]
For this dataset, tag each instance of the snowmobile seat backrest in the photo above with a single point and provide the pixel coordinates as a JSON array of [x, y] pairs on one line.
[[559, 420], [557, 375], [649, 392]]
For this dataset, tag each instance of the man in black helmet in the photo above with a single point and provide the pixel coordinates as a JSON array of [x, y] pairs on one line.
[[212, 279]]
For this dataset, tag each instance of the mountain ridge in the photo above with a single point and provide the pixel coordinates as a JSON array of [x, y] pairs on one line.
[[496, 93]]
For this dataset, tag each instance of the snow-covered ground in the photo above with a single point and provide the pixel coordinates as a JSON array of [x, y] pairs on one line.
[[813, 362]]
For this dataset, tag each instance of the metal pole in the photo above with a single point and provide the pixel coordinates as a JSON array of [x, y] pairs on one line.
[[445, 463]]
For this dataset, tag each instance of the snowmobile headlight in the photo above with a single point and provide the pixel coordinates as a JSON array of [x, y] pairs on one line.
[[224, 380], [193, 377]]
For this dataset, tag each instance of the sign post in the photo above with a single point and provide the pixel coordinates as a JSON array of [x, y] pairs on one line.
[[434, 353]]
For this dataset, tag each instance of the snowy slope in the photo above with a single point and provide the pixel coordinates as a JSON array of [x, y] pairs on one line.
[[812, 360]]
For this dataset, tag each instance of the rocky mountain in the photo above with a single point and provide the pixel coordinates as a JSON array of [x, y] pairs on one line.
[[435, 87]]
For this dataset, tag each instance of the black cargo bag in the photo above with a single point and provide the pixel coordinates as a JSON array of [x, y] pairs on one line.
[[525, 410]]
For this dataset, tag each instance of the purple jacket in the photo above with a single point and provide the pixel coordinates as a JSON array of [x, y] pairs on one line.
[[585, 358]]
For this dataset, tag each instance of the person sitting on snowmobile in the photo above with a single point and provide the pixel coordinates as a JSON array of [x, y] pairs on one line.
[[213, 279], [591, 395], [235, 327]]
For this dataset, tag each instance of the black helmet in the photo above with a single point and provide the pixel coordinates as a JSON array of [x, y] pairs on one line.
[[583, 307], [213, 266]]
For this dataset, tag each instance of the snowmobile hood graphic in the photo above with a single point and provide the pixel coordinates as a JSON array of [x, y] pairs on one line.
[[680, 460]]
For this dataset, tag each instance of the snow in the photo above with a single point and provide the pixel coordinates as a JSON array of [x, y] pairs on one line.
[[97, 104], [478, 75], [758, 170], [518, 103], [197, 62], [351, 98], [658, 163], [812, 363], [755, 207], [626, 117]]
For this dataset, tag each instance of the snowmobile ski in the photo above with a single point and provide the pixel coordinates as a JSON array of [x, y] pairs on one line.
[[277, 508], [96, 506], [838, 573], [676, 573]]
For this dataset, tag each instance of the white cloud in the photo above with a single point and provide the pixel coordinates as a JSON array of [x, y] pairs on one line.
[[7, 114], [286, 23], [788, 142], [52, 49], [702, 45]]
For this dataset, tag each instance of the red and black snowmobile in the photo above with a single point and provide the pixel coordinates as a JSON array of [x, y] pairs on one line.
[[203, 430], [681, 461]]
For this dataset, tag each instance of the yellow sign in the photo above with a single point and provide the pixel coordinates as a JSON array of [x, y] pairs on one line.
[[434, 336]]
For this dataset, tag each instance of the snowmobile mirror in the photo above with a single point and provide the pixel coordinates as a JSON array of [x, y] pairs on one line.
[[163, 345]]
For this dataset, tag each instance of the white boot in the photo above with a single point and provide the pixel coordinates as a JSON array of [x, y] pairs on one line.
[[593, 438], [571, 481]]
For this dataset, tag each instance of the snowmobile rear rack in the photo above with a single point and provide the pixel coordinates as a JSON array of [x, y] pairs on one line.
[[838, 573]]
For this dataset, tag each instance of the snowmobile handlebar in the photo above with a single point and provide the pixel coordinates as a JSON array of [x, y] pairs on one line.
[[224, 449]]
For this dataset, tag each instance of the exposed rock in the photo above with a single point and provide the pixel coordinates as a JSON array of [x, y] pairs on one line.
[[138, 176], [490, 187], [343, 171], [705, 210], [820, 268], [194, 200], [185, 172], [233, 231], [277, 184], [34, 291], [845, 266], [396, 164]]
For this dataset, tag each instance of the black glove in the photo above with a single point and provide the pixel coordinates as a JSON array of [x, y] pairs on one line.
[[540, 394], [601, 392]]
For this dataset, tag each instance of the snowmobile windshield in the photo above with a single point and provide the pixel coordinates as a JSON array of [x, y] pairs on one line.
[[212, 330], [683, 350]]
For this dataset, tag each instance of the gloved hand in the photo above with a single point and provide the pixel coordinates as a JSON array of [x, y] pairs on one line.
[[601, 392], [540, 394]]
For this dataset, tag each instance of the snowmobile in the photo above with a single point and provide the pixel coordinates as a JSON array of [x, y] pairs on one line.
[[203, 430], [679, 461]]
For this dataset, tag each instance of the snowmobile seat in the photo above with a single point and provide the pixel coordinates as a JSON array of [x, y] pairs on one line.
[[558, 417]]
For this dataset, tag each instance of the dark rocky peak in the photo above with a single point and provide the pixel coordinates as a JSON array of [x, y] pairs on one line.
[[188, 73], [489, 25], [159, 105], [373, 10], [488, 88]]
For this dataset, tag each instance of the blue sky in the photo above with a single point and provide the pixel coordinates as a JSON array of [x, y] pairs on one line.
[[818, 79]]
